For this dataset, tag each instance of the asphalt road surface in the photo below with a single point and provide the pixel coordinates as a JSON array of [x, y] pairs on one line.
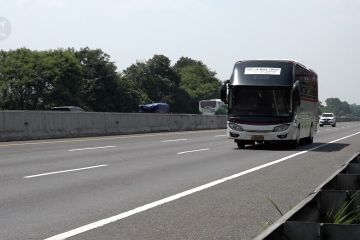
[[183, 185]]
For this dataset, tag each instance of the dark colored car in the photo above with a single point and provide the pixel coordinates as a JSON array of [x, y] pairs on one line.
[[67, 109]]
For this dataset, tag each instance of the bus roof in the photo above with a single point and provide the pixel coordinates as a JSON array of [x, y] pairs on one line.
[[276, 73], [278, 60]]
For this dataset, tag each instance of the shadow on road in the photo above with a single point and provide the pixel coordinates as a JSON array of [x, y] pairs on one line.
[[327, 147]]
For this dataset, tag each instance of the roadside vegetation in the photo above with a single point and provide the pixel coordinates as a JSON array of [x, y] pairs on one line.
[[346, 214], [39, 80], [269, 222], [340, 108]]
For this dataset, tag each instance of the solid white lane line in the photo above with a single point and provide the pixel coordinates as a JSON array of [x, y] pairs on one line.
[[197, 150], [148, 206], [221, 135], [93, 148], [65, 171], [174, 140], [339, 139]]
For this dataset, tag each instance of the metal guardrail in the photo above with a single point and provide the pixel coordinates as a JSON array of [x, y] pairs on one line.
[[309, 220]]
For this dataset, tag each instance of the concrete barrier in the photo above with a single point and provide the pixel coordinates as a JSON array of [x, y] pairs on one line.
[[26, 125], [314, 217], [347, 119]]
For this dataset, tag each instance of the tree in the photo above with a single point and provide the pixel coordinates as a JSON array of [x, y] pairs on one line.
[[197, 80], [38, 80], [60, 78], [158, 81], [16, 78], [130, 95], [99, 90], [355, 110], [185, 62], [336, 106], [87, 78]]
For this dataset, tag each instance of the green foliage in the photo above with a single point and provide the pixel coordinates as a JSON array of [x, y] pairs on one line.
[[88, 78], [185, 62], [61, 78], [38, 80], [130, 95], [17, 72], [197, 80], [278, 210], [159, 82], [222, 110], [344, 215], [340, 108], [136, 76], [100, 89], [355, 110]]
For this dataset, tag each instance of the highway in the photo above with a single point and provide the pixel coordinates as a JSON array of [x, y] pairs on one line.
[[182, 185]]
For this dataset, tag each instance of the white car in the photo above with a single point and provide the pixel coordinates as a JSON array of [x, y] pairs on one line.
[[327, 119]]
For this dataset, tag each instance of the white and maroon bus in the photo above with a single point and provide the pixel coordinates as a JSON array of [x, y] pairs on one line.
[[271, 101]]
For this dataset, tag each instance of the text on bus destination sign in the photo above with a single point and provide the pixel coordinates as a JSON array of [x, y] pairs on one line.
[[262, 71]]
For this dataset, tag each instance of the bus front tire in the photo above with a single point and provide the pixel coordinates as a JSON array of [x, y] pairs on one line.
[[295, 143], [310, 138], [240, 144]]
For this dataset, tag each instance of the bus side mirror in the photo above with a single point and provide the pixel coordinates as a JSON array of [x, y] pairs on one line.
[[223, 91]]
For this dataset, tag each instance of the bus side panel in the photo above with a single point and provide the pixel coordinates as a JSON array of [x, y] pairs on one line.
[[309, 100]]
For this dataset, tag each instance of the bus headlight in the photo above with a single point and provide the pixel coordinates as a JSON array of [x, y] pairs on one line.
[[236, 127], [281, 128]]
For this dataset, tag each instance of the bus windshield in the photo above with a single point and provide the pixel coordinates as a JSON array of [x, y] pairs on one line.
[[259, 102]]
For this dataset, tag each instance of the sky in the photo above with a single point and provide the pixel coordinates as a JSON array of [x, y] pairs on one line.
[[323, 35]]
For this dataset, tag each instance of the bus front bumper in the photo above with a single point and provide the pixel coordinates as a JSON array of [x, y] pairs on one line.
[[262, 133]]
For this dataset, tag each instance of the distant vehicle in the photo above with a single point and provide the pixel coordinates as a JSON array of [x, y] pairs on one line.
[[327, 119], [271, 101], [210, 107], [154, 108], [68, 109]]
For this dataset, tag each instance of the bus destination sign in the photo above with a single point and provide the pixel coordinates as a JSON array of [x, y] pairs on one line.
[[262, 71]]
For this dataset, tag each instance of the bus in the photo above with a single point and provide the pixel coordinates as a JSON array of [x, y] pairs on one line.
[[271, 101], [210, 107]]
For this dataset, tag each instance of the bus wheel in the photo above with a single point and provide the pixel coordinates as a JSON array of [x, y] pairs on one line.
[[240, 144], [310, 139], [295, 143]]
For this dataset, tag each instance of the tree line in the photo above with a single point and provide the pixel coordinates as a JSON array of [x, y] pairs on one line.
[[39, 80], [340, 108]]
